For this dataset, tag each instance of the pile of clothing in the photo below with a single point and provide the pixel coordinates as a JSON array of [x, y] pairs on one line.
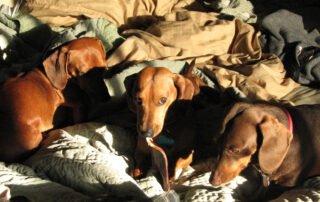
[[271, 56]]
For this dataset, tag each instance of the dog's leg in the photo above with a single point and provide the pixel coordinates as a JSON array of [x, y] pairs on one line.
[[181, 163], [142, 158]]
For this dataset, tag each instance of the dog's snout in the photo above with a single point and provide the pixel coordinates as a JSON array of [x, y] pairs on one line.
[[147, 133], [215, 179]]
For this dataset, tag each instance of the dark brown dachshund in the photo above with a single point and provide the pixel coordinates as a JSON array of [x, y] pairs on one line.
[[150, 93], [28, 103], [283, 143]]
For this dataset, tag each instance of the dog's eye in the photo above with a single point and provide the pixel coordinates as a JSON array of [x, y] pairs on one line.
[[162, 101], [139, 100], [233, 150]]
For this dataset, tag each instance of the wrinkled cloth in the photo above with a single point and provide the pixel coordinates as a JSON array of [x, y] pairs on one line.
[[303, 95], [180, 34], [114, 82], [97, 27], [239, 9], [308, 192], [285, 36], [118, 12], [90, 160], [232, 47], [24, 181], [20, 51], [307, 63]]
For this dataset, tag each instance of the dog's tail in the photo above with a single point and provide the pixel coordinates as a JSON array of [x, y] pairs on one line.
[[190, 68]]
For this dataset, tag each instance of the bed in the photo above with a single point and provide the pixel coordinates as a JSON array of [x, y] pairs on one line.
[[240, 48]]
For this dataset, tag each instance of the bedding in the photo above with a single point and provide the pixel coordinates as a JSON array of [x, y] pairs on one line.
[[284, 28], [91, 161]]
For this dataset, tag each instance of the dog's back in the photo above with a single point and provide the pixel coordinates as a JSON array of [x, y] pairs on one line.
[[26, 107], [28, 103], [306, 140]]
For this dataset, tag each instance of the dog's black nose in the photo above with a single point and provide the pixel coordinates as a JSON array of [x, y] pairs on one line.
[[147, 133]]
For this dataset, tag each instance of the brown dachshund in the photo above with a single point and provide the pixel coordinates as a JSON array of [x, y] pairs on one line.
[[150, 93], [282, 142], [29, 102]]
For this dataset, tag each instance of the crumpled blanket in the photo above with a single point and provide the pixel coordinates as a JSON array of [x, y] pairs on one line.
[[85, 162], [90, 161], [21, 51], [119, 12], [175, 33], [240, 9], [96, 27], [227, 48], [285, 35], [21, 180], [18, 50], [89, 158]]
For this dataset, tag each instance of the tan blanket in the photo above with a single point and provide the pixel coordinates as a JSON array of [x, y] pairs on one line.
[[228, 51], [119, 12]]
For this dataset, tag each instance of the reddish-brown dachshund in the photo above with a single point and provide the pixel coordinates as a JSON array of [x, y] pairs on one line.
[[283, 142], [29, 102], [150, 93]]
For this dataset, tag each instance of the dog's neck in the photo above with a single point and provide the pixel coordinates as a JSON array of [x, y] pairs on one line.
[[279, 112], [303, 156], [287, 121], [178, 109]]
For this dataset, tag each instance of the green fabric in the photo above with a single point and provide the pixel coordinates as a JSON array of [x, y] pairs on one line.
[[240, 9], [17, 53], [26, 40], [33, 31], [96, 27]]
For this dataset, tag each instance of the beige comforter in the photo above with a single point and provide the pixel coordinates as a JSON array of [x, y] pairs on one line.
[[228, 51]]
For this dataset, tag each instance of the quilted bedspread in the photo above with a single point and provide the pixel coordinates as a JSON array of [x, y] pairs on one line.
[[89, 161]]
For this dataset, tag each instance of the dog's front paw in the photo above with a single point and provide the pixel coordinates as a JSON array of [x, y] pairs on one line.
[[137, 173]]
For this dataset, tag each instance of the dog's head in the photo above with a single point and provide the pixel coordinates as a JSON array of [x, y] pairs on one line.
[[243, 128], [150, 94], [73, 60]]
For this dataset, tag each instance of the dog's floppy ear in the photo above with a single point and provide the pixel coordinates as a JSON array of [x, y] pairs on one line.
[[236, 109], [55, 67], [275, 144], [129, 83], [184, 86]]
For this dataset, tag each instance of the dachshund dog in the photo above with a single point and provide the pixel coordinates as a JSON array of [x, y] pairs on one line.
[[282, 142], [29, 102], [150, 94]]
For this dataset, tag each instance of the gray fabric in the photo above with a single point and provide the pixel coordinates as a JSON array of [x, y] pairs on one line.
[[23, 181], [284, 27], [21, 51], [307, 192], [307, 60], [90, 161], [97, 27], [17, 52], [239, 9], [285, 36]]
